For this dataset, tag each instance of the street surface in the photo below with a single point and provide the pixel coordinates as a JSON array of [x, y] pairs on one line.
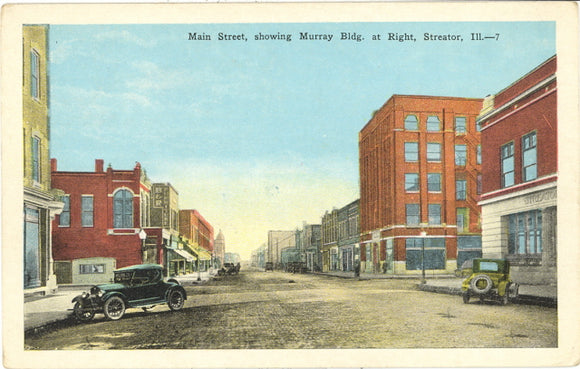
[[276, 310]]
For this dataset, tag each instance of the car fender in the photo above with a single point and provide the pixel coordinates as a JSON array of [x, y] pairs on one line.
[[78, 298], [501, 288], [108, 295], [178, 287]]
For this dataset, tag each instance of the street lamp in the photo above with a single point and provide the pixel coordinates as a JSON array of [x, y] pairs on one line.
[[142, 237], [423, 235]]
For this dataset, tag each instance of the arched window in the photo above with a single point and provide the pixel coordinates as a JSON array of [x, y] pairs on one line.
[[411, 123], [123, 209]]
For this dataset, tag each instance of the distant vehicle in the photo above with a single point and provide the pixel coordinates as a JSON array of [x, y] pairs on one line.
[[465, 270], [137, 286], [269, 266], [296, 267], [229, 269], [490, 279]]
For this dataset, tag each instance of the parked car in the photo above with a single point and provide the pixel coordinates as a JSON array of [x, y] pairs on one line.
[[465, 270], [137, 286], [269, 266], [490, 279]]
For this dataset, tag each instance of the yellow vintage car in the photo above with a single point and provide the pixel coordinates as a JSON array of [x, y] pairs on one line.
[[490, 280]]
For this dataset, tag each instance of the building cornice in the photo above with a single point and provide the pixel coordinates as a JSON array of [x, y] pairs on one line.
[[513, 192]]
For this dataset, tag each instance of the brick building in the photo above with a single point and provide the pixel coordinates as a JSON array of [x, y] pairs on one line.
[[199, 233], [348, 236], [41, 202], [420, 177], [329, 241], [520, 173], [104, 224]]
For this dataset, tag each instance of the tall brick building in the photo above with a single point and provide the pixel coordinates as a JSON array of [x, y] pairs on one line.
[[520, 174], [420, 164], [199, 232], [104, 224]]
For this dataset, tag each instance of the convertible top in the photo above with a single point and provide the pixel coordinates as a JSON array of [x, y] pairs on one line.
[[139, 267]]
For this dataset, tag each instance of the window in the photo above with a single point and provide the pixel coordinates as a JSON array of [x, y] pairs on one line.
[[462, 220], [507, 165], [530, 162], [64, 220], [413, 214], [479, 184], [87, 210], [36, 159], [92, 268], [434, 182], [433, 123], [460, 189], [34, 74], [428, 253], [525, 233], [411, 182], [434, 214], [433, 151], [411, 123], [460, 124], [478, 154], [411, 151], [460, 155], [123, 209]]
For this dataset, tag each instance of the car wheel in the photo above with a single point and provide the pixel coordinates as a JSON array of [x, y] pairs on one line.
[[481, 284], [176, 300], [84, 315], [114, 308], [466, 297]]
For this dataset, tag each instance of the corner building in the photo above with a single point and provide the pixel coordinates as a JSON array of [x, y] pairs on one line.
[[520, 171], [420, 165]]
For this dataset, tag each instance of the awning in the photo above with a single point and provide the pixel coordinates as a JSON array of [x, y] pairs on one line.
[[186, 255], [203, 254]]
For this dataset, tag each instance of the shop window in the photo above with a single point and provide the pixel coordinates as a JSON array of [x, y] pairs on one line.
[[433, 123], [428, 253], [411, 151], [411, 123], [525, 233], [92, 268], [460, 189], [433, 151], [460, 155], [434, 214], [411, 182], [434, 182], [507, 165], [413, 214], [530, 162]]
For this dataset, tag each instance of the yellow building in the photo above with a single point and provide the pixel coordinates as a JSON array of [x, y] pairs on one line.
[[40, 202]]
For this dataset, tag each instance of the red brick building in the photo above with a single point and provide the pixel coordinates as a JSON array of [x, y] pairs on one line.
[[520, 173], [194, 227], [419, 172], [104, 223]]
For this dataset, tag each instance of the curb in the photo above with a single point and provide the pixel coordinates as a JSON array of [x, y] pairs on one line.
[[521, 299]]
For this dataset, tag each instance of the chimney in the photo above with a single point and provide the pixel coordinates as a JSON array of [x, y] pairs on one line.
[[53, 165], [99, 164]]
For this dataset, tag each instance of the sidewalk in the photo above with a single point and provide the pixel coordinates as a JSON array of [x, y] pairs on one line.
[[44, 311]]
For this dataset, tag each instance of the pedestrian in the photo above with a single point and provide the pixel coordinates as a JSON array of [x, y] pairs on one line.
[[357, 269]]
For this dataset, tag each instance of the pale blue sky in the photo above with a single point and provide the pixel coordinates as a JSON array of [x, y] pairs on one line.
[[259, 135]]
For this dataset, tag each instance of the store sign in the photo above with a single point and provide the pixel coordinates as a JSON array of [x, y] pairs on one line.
[[539, 197], [376, 235]]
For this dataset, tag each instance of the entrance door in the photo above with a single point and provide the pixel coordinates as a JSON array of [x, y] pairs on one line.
[[31, 248]]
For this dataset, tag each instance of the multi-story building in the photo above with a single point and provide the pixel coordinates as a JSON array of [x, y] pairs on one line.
[[329, 241], [259, 257], [311, 243], [420, 164], [199, 234], [348, 236], [41, 203], [520, 174], [277, 241], [219, 250], [164, 208], [103, 224]]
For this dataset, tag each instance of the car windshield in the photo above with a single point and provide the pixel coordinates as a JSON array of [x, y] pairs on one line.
[[488, 266]]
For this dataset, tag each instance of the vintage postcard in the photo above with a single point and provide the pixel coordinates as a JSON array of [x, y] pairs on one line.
[[290, 185]]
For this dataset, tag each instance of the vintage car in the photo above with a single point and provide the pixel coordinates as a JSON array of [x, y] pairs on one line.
[[490, 279], [465, 270], [269, 266], [137, 286], [229, 269]]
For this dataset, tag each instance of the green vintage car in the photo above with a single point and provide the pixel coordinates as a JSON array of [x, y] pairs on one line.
[[490, 279], [137, 286]]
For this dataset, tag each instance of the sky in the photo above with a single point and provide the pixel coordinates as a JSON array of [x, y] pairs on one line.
[[260, 135]]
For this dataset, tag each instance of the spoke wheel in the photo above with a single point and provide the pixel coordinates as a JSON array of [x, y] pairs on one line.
[[114, 308], [176, 300], [83, 314]]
